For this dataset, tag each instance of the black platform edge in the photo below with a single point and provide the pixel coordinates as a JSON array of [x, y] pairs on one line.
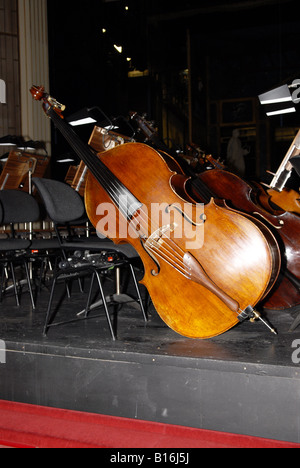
[[246, 381], [228, 395], [121, 353]]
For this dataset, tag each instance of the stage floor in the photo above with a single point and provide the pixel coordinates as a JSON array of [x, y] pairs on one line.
[[246, 381]]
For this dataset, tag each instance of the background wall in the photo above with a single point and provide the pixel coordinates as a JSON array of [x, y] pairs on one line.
[[236, 50], [10, 119], [34, 67], [23, 62]]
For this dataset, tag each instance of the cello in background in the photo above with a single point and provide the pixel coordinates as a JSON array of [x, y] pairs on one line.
[[284, 225], [200, 291], [239, 195]]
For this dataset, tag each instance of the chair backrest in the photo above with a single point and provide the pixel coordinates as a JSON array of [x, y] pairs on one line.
[[18, 207], [63, 204]]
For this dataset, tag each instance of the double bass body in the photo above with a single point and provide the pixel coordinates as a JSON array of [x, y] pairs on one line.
[[237, 258]]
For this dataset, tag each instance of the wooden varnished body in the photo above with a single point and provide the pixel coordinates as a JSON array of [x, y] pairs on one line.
[[235, 255], [284, 225], [287, 200]]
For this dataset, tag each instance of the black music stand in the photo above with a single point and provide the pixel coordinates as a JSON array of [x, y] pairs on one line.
[[295, 323], [295, 162], [19, 169]]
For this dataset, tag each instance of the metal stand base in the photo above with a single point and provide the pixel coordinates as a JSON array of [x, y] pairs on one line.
[[119, 298], [115, 298]]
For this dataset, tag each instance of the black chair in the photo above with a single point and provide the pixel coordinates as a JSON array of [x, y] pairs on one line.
[[16, 207], [64, 206]]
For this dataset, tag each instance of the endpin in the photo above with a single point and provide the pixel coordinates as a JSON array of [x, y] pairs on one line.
[[257, 316], [250, 313]]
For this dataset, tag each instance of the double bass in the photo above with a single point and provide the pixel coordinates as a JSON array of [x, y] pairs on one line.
[[199, 289]]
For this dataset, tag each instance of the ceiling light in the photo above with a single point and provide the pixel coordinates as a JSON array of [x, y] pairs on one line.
[[118, 48]]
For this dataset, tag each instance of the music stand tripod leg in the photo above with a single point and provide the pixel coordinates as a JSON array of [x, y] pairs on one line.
[[295, 323], [120, 298]]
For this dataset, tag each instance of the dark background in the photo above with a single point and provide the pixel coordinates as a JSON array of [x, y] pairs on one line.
[[239, 49]]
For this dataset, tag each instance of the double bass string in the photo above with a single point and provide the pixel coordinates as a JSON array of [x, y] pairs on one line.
[[118, 192], [104, 176], [203, 190]]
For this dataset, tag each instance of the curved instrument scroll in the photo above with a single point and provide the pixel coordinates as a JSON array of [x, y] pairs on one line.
[[122, 197]]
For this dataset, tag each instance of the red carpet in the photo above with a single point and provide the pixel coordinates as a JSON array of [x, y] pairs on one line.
[[23, 425]]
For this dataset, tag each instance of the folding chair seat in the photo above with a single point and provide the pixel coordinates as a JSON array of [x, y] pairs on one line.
[[65, 206]]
